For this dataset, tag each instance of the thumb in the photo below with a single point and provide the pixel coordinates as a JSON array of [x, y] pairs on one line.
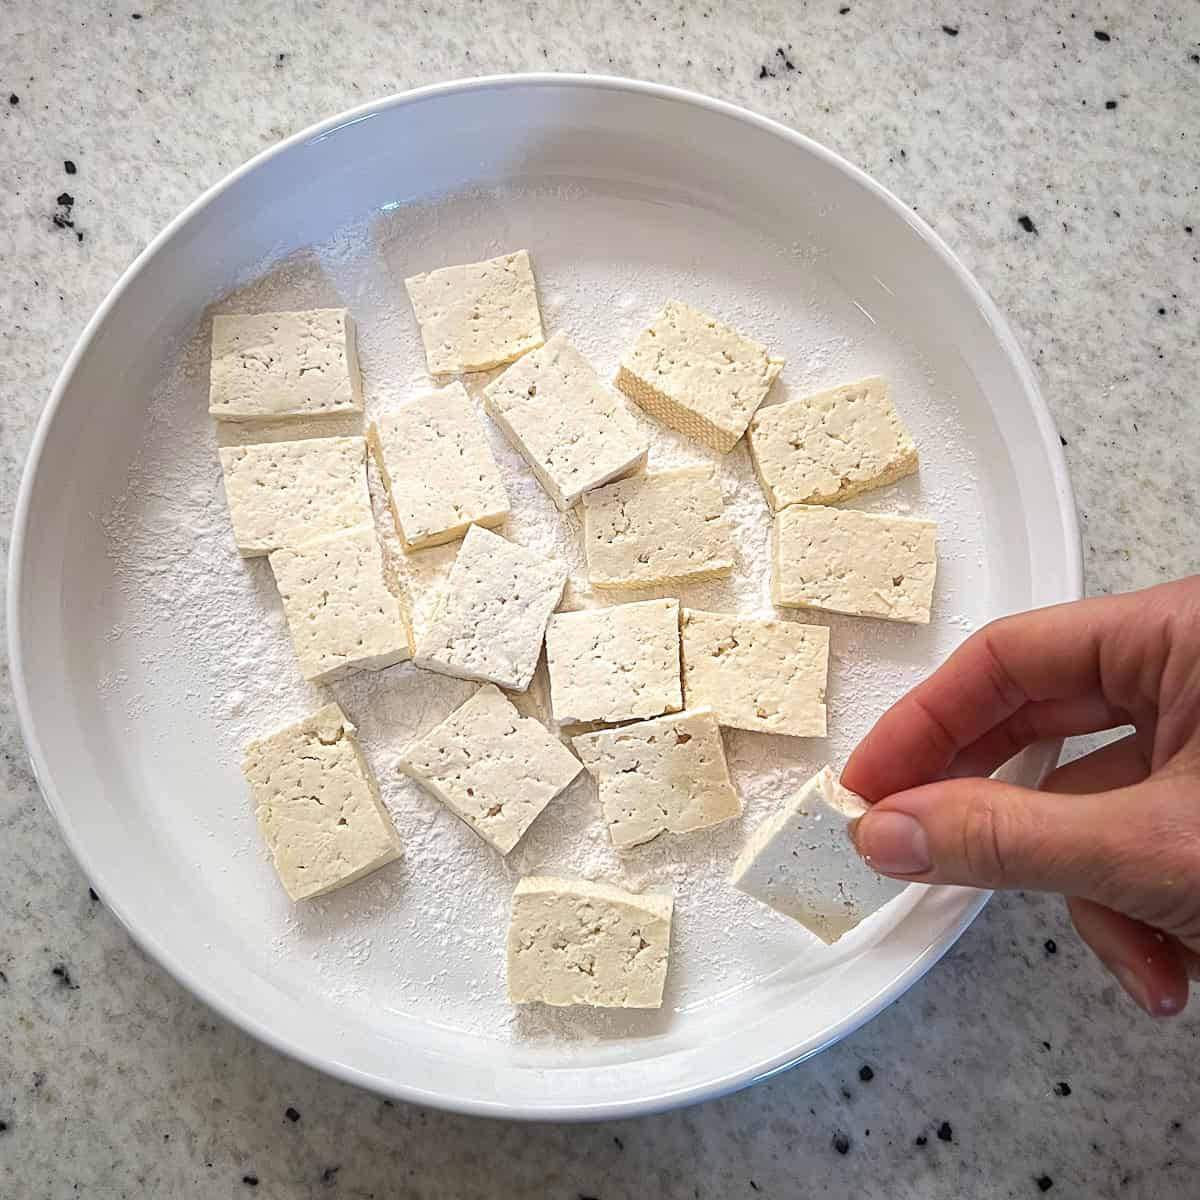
[[983, 833]]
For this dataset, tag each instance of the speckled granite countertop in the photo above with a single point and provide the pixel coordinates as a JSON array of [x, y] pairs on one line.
[[1057, 149]]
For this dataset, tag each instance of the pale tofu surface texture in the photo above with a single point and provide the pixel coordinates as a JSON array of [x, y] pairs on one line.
[[341, 615], [491, 766], [285, 493], [845, 561], [666, 775], [698, 376], [662, 527], [493, 617], [802, 863], [830, 446], [614, 664], [477, 315], [438, 469], [318, 806], [283, 364], [572, 941], [764, 675], [573, 431]]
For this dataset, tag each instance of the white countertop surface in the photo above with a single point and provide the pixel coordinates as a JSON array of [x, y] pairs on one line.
[[1017, 1047]]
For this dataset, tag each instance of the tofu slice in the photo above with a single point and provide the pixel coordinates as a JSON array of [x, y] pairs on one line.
[[844, 561], [659, 528], [285, 493], [491, 766], [439, 471], [614, 664], [572, 941], [478, 315], [284, 364], [768, 676], [830, 446], [698, 376], [802, 863], [318, 806], [492, 620], [339, 610], [666, 775], [574, 432]]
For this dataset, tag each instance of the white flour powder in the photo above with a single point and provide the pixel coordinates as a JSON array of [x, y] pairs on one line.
[[424, 938]]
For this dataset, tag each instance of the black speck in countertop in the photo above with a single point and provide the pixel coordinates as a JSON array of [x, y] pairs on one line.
[[136, 16], [329, 1176], [1046, 1045], [841, 1143], [1110, 104], [1187, 229], [280, 59], [1065, 443], [66, 199], [39, 1077], [753, 1186], [763, 73], [14, 99], [783, 58], [1026, 223], [865, 1073], [844, 10], [250, 1180], [1195, 58], [1101, 36], [945, 1132], [950, 30], [1050, 944], [1044, 1183], [921, 1139], [1062, 1088], [620, 1145], [63, 975], [69, 166], [1162, 312], [92, 894], [292, 1114]]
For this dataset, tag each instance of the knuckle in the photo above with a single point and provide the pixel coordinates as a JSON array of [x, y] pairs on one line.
[[984, 838]]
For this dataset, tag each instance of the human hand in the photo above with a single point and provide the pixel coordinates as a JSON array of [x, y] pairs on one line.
[[1117, 831]]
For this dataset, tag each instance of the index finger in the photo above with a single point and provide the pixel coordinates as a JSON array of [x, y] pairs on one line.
[[1101, 647]]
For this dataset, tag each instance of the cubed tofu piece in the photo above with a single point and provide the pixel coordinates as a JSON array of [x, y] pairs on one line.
[[667, 775], [340, 612], [831, 446], [572, 430], [614, 664], [659, 528], [285, 364], [768, 676], [802, 863], [318, 806], [285, 493], [492, 620], [491, 766], [698, 376], [439, 471], [478, 315], [572, 941], [844, 561]]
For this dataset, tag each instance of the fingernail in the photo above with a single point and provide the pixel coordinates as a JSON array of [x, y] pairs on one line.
[[894, 843], [1166, 1006]]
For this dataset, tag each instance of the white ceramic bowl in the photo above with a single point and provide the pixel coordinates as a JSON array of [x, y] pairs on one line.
[[125, 759]]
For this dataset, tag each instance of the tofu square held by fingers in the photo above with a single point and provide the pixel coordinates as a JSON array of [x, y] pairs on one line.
[[659, 528], [318, 805], [845, 561], [763, 675], [697, 375], [340, 612], [665, 775], [830, 446], [493, 618], [572, 941], [802, 863], [492, 767], [437, 468], [573, 431], [476, 316], [285, 493], [284, 364], [614, 664]]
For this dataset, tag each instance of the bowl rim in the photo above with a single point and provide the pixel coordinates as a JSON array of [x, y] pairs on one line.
[[724, 1082]]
